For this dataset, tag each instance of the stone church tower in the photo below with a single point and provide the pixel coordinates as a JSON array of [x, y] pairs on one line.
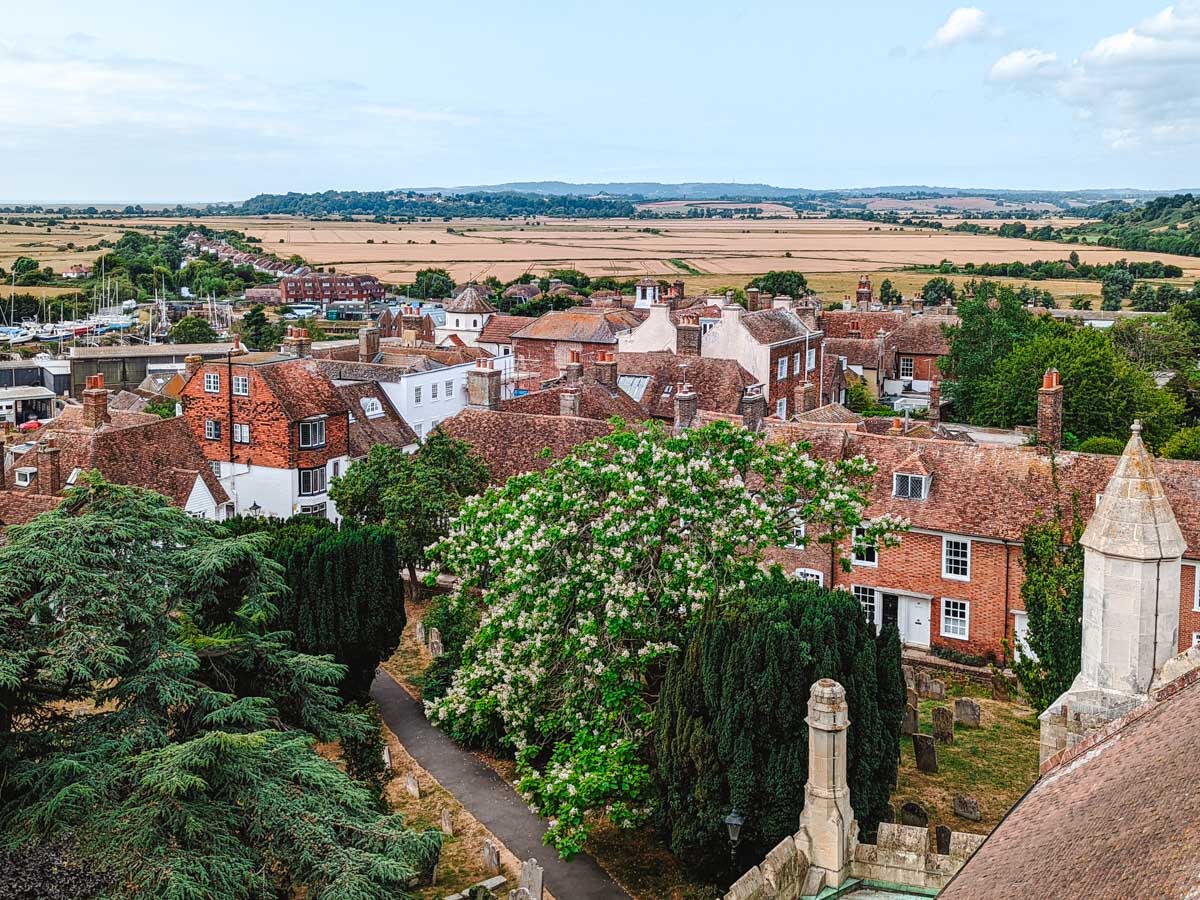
[[1132, 551]]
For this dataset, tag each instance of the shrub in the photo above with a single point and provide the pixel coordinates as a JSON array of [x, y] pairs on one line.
[[1108, 446]]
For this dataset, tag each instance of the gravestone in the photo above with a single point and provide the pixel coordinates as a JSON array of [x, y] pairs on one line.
[[967, 712], [925, 750], [942, 834], [491, 856], [412, 785], [434, 635], [520, 894], [532, 876], [921, 685], [420, 632], [910, 677], [914, 814], [1001, 688], [937, 689], [435, 647], [387, 758], [913, 697], [943, 724], [967, 807], [910, 725], [447, 823]]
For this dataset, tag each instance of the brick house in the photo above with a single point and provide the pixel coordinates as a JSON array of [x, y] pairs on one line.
[[274, 428], [911, 353], [325, 288], [543, 347]]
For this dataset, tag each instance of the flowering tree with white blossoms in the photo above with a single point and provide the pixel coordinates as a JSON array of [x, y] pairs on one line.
[[592, 572]]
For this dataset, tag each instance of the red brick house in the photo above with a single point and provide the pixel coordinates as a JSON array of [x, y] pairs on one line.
[[912, 352], [543, 347], [325, 288]]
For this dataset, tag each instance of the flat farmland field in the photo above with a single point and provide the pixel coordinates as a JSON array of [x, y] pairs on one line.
[[50, 248], [831, 252]]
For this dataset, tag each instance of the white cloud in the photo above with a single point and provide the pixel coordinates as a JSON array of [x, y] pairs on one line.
[[1023, 64], [967, 23]]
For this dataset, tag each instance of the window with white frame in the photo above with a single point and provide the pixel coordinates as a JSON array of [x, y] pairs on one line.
[[910, 487], [313, 509], [956, 558], [312, 434], [796, 363], [812, 358], [866, 599], [417, 395], [781, 369], [212, 382], [241, 385], [798, 531], [312, 481], [212, 429], [1196, 638], [371, 407], [956, 619], [781, 407], [906, 367], [864, 554], [809, 575], [419, 428], [449, 388], [241, 433], [433, 391], [215, 465], [25, 476]]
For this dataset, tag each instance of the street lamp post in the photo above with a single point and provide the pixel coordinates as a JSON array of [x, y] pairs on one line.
[[733, 823]]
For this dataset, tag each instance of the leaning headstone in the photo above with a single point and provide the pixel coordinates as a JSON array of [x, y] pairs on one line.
[[922, 683], [937, 689], [531, 879], [447, 823], [434, 635], [914, 814], [491, 856], [910, 677], [910, 724], [1001, 689], [967, 807], [435, 647], [943, 724], [420, 632], [925, 751], [412, 785], [942, 834], [966, 712]]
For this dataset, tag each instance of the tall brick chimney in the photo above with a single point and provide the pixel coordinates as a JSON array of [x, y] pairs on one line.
[[49, 469], [95, 402], [574, 368], [754, 408], [687, 336], [192, 364], [483, 385], [368, 343], [1050, 412], [687, 406], [606, 368], [897, 428], [934, 416], [805, 398], [570, 400], [753, 299], [297, 343]]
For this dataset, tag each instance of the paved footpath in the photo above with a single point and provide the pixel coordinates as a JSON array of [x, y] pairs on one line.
[[489, 797]]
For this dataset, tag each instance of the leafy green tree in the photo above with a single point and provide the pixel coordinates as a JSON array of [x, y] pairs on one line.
[[414, 495], [1156, 343], [344, 598], [1116, 285], [258, 332], [730, 725], [1183, 444], [887, 293], [189, 768], [791, 283], [1052, 593], [192, 330], [23, 265], [162, 406], [585, 578], [432, 284], [1081, 302], [939, 290]]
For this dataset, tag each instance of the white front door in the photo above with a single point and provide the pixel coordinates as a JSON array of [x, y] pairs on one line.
[[1020, 631], [915, 621]]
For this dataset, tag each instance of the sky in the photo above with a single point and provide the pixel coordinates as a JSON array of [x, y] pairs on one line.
[[173, 102]]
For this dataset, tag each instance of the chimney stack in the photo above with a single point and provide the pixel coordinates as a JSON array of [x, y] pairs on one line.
[[606, 368], [934, 416], [237, 349], [95, 403], [754, 408], [897, 428], [570, 400], [687, 406], [805, 397], [368, 343], [483, 385], [297, 342], [753, 299], [574, 368], [192, 364], [1050, 412], [49, 470], [687, 336]]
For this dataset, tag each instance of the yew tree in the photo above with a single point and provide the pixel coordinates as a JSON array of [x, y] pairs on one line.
[[585, 579], [154, 721]]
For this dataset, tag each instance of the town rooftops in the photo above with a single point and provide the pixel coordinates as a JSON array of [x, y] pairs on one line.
[[923, 335], [653, 378], [218, 348], [596, 401], [774, 326], [471, 299], [500, 328], [862, 352], [584, 324], [373, 419]]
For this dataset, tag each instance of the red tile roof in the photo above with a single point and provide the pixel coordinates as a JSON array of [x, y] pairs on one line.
[[471, 299], [302, 388], [580, 323], [922, 335], [864, 352], [366, 431], [771, 326], [718, 383], [596, 401], [850, 323], [499, 329]]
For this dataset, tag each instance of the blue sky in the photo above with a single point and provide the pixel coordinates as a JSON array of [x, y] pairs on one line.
[[126, 101]]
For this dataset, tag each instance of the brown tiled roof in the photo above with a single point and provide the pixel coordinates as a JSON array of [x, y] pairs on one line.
[[830, 413], [770, 326], [365, 432], [446, 356], [845, 323], [718, 383], [923, 335], [499, 329], [524, 291], [700, 309], [1121, 819], [512, 443], [865, 352], [596, 401], [302, 388], [356, 371], [584, 324], [127, 401], [17, 507], [471, 299]]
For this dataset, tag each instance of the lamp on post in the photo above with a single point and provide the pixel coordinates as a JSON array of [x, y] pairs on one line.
[[255, 510], [733, 823]]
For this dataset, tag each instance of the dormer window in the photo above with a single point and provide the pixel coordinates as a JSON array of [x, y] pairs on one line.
[[25, 475], [372, 407], [910, 487]]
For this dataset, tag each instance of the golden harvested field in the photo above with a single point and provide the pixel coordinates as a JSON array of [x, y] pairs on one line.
[[50, 248]]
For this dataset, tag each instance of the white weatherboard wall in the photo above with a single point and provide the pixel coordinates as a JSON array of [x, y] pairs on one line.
[[200, 502], [276, 491]]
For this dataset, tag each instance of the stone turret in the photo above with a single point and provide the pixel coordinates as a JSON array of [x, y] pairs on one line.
[[828, 829], [1131, 569]]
